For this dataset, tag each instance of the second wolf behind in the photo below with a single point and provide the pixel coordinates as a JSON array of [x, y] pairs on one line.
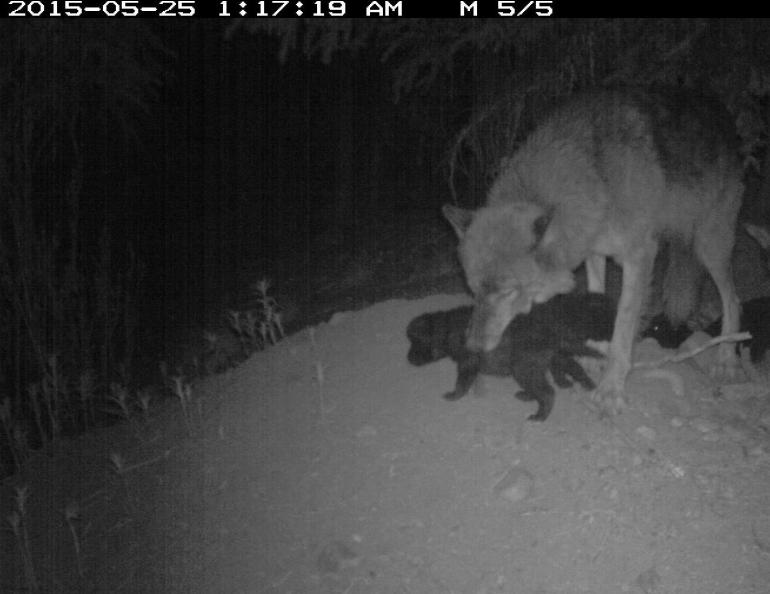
[[547, 339], [609, 174]]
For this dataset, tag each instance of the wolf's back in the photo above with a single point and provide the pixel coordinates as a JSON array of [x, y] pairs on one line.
[[619, 159]]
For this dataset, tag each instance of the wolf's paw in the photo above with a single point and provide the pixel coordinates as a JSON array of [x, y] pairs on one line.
[[609, 397], [727, 366]]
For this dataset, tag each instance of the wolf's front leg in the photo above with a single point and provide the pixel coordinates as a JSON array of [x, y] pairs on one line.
[[596, 271], [637, 270]]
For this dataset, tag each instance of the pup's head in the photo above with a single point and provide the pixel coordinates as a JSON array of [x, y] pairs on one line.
[[761, 234], [667, 334], [425, 347], [504, 251]]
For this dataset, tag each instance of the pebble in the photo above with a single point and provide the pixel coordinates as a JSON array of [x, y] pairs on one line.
[[515, 486], [647, 432], [366, 431], [704, 425], [336, 556], [735, 433]]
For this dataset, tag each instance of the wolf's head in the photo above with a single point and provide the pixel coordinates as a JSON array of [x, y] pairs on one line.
[[504, 253]]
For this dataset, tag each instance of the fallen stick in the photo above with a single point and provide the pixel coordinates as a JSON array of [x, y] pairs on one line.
[[735, 337]]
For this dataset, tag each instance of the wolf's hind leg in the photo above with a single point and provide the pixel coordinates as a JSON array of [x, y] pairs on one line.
[[713, 246]]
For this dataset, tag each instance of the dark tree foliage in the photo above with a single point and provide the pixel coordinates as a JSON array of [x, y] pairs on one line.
[[502, 73], [68, 91]]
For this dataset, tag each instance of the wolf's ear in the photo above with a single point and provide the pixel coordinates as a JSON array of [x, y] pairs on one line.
[[460, 218]]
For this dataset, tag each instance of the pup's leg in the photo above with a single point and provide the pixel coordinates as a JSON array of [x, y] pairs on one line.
[[529, 371], [467, 371], [560, 370], [576, 372]]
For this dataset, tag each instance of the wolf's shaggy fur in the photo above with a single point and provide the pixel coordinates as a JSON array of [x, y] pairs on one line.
[[610, 173], [548, 338]]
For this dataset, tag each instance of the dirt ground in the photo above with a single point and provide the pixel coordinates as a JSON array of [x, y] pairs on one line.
[[328, 464]]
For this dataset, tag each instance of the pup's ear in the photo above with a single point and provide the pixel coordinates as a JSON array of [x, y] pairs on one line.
[[760, 233], [459, 218]]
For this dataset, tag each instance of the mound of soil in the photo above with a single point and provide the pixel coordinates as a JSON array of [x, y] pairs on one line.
[[327, 464]]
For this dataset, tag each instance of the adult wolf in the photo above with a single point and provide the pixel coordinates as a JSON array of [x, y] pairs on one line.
[[610, 173]]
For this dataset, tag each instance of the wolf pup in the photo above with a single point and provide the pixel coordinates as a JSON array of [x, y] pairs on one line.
[[755, 319], [606, 175], [548, 338], [671, 332]]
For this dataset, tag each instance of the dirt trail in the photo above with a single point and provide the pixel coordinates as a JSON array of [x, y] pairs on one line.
[[392, 489]]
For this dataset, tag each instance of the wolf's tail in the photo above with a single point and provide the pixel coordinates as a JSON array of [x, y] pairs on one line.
[[681, 282]]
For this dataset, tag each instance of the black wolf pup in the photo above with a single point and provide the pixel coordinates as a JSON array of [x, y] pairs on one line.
[[671, 331], [755, 319], [548, 338]]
